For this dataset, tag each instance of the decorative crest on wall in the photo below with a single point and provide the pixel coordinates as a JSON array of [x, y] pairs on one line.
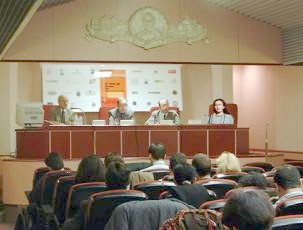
[[146, 28]]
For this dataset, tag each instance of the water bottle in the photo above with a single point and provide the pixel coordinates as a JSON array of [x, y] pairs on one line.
[[76, 120], [80, 120]]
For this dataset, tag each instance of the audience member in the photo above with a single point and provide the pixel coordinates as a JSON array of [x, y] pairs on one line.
[[202, 164], [138, 177], [248, 210], [113, 156], [287, 180], [228, 162], [117, 176], [186, 190], [55, 162], [177, 158], [253, 179], [157, 153], [91, 168]]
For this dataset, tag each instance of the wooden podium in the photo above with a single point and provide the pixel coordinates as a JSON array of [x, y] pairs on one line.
[[130, 141]]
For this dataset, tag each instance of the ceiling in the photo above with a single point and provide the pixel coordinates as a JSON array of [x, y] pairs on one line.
[[284, 14]]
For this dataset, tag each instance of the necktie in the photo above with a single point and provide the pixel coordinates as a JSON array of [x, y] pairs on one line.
[[62, 117]]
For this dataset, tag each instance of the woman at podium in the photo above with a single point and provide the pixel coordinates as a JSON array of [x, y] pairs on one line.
[[220, 114]]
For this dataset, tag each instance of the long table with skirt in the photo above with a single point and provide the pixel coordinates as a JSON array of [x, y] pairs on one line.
[[75, 142]]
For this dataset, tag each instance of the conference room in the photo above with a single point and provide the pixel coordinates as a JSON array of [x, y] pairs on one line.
[[94, 52]]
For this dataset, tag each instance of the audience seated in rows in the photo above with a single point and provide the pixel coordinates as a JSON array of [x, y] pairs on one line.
[[157, 153], [248, 210], [287, 180], [116, 177], [202, 164]]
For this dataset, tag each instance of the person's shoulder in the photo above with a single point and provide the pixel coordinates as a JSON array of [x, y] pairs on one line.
[[173, 112], [155, 112]]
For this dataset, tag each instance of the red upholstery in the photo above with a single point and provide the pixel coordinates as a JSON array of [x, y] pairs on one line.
[[288, 222], [217, 205], [47, 109], [103, 113], [249, 169], [152, 109], [231, 108]]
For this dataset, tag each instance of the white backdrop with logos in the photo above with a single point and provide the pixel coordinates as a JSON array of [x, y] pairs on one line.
[[145, 84]]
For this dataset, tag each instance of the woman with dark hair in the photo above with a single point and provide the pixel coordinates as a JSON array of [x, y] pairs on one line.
[[221, 114], [90, 169]]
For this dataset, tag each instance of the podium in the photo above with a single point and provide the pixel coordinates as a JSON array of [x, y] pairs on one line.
[[75, 142]]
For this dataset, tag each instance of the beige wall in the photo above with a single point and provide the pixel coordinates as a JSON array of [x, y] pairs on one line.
[[58, 33], [271, 95]]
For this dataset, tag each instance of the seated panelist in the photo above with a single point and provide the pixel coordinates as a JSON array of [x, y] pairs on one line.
[[163, 113], [221, 114], [121, 112], [61, 114]]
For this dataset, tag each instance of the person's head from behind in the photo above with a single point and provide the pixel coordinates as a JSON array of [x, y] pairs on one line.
[[253, 179], [287, 178], [219, 106], [54, 161], [117, 175], [91, 168], [184, 174], [228, 162], [248, 210], [163, 105], [202, 164], [121, 104], [156, 151], [175, 159], [112, 156], [62, 101]]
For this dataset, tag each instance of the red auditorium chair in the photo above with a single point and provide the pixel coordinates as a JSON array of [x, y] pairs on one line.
[[291, 206], [219, 186], [217, 205], [154, 189], [80, 192], [266, 166], [102, 204], [235, 176], [249, 169]]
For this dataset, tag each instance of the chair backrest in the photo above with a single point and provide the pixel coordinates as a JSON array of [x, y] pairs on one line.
[[250, 169], [154, 108], [155, 188], [60, 196], [80, 192], [159, 173], [103, 113], [231, 108], [102, 204], [291, 206], [290, 222], [264, 165], [49, 181], [219, 186], [47, 109], [271, 192], [217, 205], [137, 166], [235, 176], [39, 172]]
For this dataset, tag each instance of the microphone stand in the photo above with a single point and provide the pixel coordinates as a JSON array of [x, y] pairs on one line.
[[266, 141]]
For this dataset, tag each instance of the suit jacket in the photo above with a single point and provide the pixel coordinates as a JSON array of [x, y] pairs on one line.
[[55, 115], [115, 115], [156, 116]]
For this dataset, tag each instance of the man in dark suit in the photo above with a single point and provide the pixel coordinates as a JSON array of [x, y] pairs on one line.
[[61, 114], [163, 113], [121, 112]]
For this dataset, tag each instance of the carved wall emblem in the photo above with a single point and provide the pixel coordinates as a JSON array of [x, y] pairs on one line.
[[146, 28]]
